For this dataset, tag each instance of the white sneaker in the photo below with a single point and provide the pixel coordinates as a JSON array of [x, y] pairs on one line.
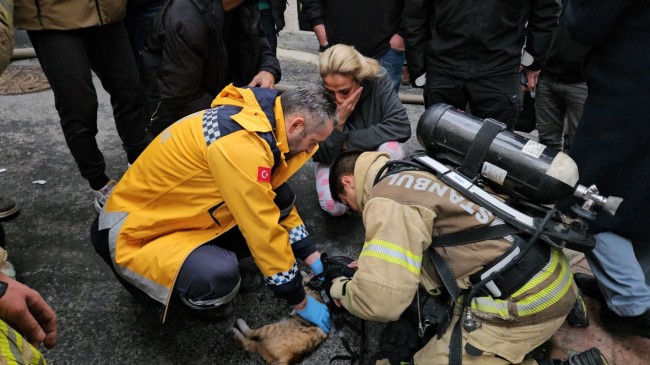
[[101, 195], [8, 269]]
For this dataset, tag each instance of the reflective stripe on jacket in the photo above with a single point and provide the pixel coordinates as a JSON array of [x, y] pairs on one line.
[[199, 178], [14, 349]]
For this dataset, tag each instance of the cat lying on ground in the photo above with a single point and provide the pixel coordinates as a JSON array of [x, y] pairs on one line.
[[284, 342]]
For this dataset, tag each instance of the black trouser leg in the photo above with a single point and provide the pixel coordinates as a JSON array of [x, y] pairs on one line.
[[446, 89], [498, 97], [64, 58], [112, 60]]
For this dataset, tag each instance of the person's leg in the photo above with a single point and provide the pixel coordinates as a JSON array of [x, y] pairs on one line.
[[393, 148], [393, 62], [325, 200], [74, 96], [549, 113], [574, 96], [267, 24], [112, 60], [446, 89], [498, 97], [620, 276], [642, 253], [209, 278]]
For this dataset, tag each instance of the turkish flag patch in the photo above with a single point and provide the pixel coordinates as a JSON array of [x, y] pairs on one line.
[[264, 174]]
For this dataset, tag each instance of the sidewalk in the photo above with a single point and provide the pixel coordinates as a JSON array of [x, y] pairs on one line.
[[618, 349]]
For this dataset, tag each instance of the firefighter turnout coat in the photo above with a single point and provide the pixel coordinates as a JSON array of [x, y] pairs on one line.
[[199, 178], [401, 214]]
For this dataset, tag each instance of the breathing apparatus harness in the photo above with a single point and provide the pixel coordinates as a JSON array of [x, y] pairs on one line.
[[526, 222]]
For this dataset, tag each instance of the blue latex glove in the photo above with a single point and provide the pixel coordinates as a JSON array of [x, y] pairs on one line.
[[317, 267], [316, 313]]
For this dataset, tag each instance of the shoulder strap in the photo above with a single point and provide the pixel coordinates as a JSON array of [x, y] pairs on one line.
[[474, 235], [479, 147]]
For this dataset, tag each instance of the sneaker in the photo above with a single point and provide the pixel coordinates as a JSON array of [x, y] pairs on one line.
[[8, 209], [637, 325], [101, 195], [8, 269]]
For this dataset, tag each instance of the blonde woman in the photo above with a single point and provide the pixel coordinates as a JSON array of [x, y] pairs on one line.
[[371, 116]]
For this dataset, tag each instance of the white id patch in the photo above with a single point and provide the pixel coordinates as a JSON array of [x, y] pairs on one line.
[[533, 148], [493, 173]]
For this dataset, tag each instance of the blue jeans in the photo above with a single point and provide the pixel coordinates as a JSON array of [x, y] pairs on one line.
[[393, 62], [622, 269], [555, 100]]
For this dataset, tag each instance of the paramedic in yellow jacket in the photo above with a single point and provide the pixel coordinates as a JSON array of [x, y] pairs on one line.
[[401, 213], [203, 195]]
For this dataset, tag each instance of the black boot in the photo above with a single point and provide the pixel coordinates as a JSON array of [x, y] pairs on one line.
[[593, 356], [589, 286], [578, 316], [637, 325]]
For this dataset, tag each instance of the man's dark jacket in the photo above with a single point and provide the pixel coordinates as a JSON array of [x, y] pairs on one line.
[[566, 57], [611, 145], [195, 49], [367, 25], [471, 38]]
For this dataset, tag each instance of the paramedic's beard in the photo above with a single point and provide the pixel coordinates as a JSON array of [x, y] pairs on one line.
[[295, 145]]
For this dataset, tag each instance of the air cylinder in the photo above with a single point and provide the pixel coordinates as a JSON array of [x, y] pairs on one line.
[[514, 162]]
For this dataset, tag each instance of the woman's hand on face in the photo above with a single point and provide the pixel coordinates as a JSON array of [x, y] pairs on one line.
[[346, 107]]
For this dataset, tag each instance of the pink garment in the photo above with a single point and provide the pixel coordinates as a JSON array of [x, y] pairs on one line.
[[334, 208]]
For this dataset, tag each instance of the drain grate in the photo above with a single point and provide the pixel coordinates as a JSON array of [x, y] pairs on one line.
[[22, 79]]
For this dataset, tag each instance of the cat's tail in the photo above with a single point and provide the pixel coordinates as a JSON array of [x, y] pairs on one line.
[[241, 330]]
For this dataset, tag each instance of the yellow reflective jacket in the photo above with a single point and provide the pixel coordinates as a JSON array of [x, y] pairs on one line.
[[199, 178], [14, 348]]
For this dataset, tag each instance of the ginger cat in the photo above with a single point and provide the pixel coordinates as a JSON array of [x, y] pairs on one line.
[[284, 342]]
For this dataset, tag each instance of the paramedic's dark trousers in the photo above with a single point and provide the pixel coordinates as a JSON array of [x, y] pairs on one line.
[[208, 278]]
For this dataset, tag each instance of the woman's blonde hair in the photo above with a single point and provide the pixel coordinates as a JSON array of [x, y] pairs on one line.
[[345, 60]]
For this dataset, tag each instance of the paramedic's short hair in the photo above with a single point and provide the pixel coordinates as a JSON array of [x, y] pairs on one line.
[[314, 103]]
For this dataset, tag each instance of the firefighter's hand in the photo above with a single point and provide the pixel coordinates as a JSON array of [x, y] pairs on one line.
[[26, 311], [263, 79], [399, 341], [336, 266]]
